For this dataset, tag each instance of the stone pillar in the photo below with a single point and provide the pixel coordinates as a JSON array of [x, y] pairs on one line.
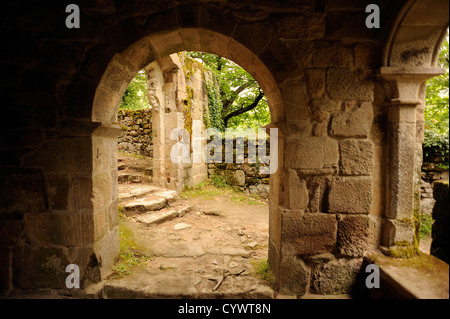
[[402, 86]]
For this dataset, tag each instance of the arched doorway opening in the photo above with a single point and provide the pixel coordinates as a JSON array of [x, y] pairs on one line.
[[125, 65], [409, 59]]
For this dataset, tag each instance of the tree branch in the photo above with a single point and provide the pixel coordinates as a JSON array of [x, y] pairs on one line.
[[244, 109], [227, 103]]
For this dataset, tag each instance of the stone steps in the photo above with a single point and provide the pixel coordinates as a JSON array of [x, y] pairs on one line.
[[158, 217], [126, 177], [130, 171], [130, 191], [151, 202]]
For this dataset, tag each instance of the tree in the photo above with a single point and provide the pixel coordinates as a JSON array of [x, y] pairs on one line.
[[242, 103], [135, 96], [437, 110]]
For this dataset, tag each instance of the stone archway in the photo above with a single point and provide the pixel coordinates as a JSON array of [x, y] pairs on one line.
[[409, 59], [315, 60], [126, 64]]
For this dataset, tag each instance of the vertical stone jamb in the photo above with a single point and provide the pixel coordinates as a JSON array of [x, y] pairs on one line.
[[402, 86]]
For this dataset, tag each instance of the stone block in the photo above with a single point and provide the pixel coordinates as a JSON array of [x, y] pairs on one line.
[[355, 121], [294, 276], [58, 191], [20, 185], [106, 251], [331, 53], [295, 98], [310, 234], [298, 192], [80, 193], [366, 55], [426, 206], [396, 231], [315, 82], [349, 25], [344, 84], [306, 26], [324, 104], [59, 228], [102, 190], [352, 236], [311, 153], [357, 157], [249, 169], [351, 195], [37, 267], [11, 226], [64, 156], [335, 277], [263, 190]]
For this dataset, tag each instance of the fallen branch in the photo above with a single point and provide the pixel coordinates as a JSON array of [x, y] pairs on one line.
[[225, 276]]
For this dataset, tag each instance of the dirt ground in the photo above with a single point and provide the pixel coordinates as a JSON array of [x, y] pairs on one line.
[[218, 237], [219, 234]]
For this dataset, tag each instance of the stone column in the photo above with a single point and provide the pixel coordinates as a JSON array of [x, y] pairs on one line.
[[402, 86]]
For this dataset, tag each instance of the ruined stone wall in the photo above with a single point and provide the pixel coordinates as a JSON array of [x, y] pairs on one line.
[[178, 97], [248, 176], [136, 135], [431, 173]]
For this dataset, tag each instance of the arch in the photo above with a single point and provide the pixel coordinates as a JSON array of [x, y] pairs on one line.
[[157, 47], [417, 34], [410, 57], [124, 66]]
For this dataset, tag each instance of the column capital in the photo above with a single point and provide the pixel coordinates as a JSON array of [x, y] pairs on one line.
[[419, 74], [404, 83]]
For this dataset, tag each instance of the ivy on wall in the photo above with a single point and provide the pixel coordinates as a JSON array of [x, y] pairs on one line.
[[213, 118]]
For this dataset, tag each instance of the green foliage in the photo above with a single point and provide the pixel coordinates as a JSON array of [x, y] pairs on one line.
[[136, 94], [437, 142], [215, 106], [218, 181], [437, 111], [232, 89], [220, 186], [262, 269], [129, 257], [426, 223]]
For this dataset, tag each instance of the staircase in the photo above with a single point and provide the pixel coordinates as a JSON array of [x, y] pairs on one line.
[[189, 258], [147, 203]]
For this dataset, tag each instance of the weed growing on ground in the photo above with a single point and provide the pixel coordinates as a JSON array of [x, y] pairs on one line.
[[426, 223], [129, 257], [217, 186], [262, 269]]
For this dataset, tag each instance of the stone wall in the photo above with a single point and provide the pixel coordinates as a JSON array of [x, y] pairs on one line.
[[247, 176], [313, 59], [136, 135], [431, 173]]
